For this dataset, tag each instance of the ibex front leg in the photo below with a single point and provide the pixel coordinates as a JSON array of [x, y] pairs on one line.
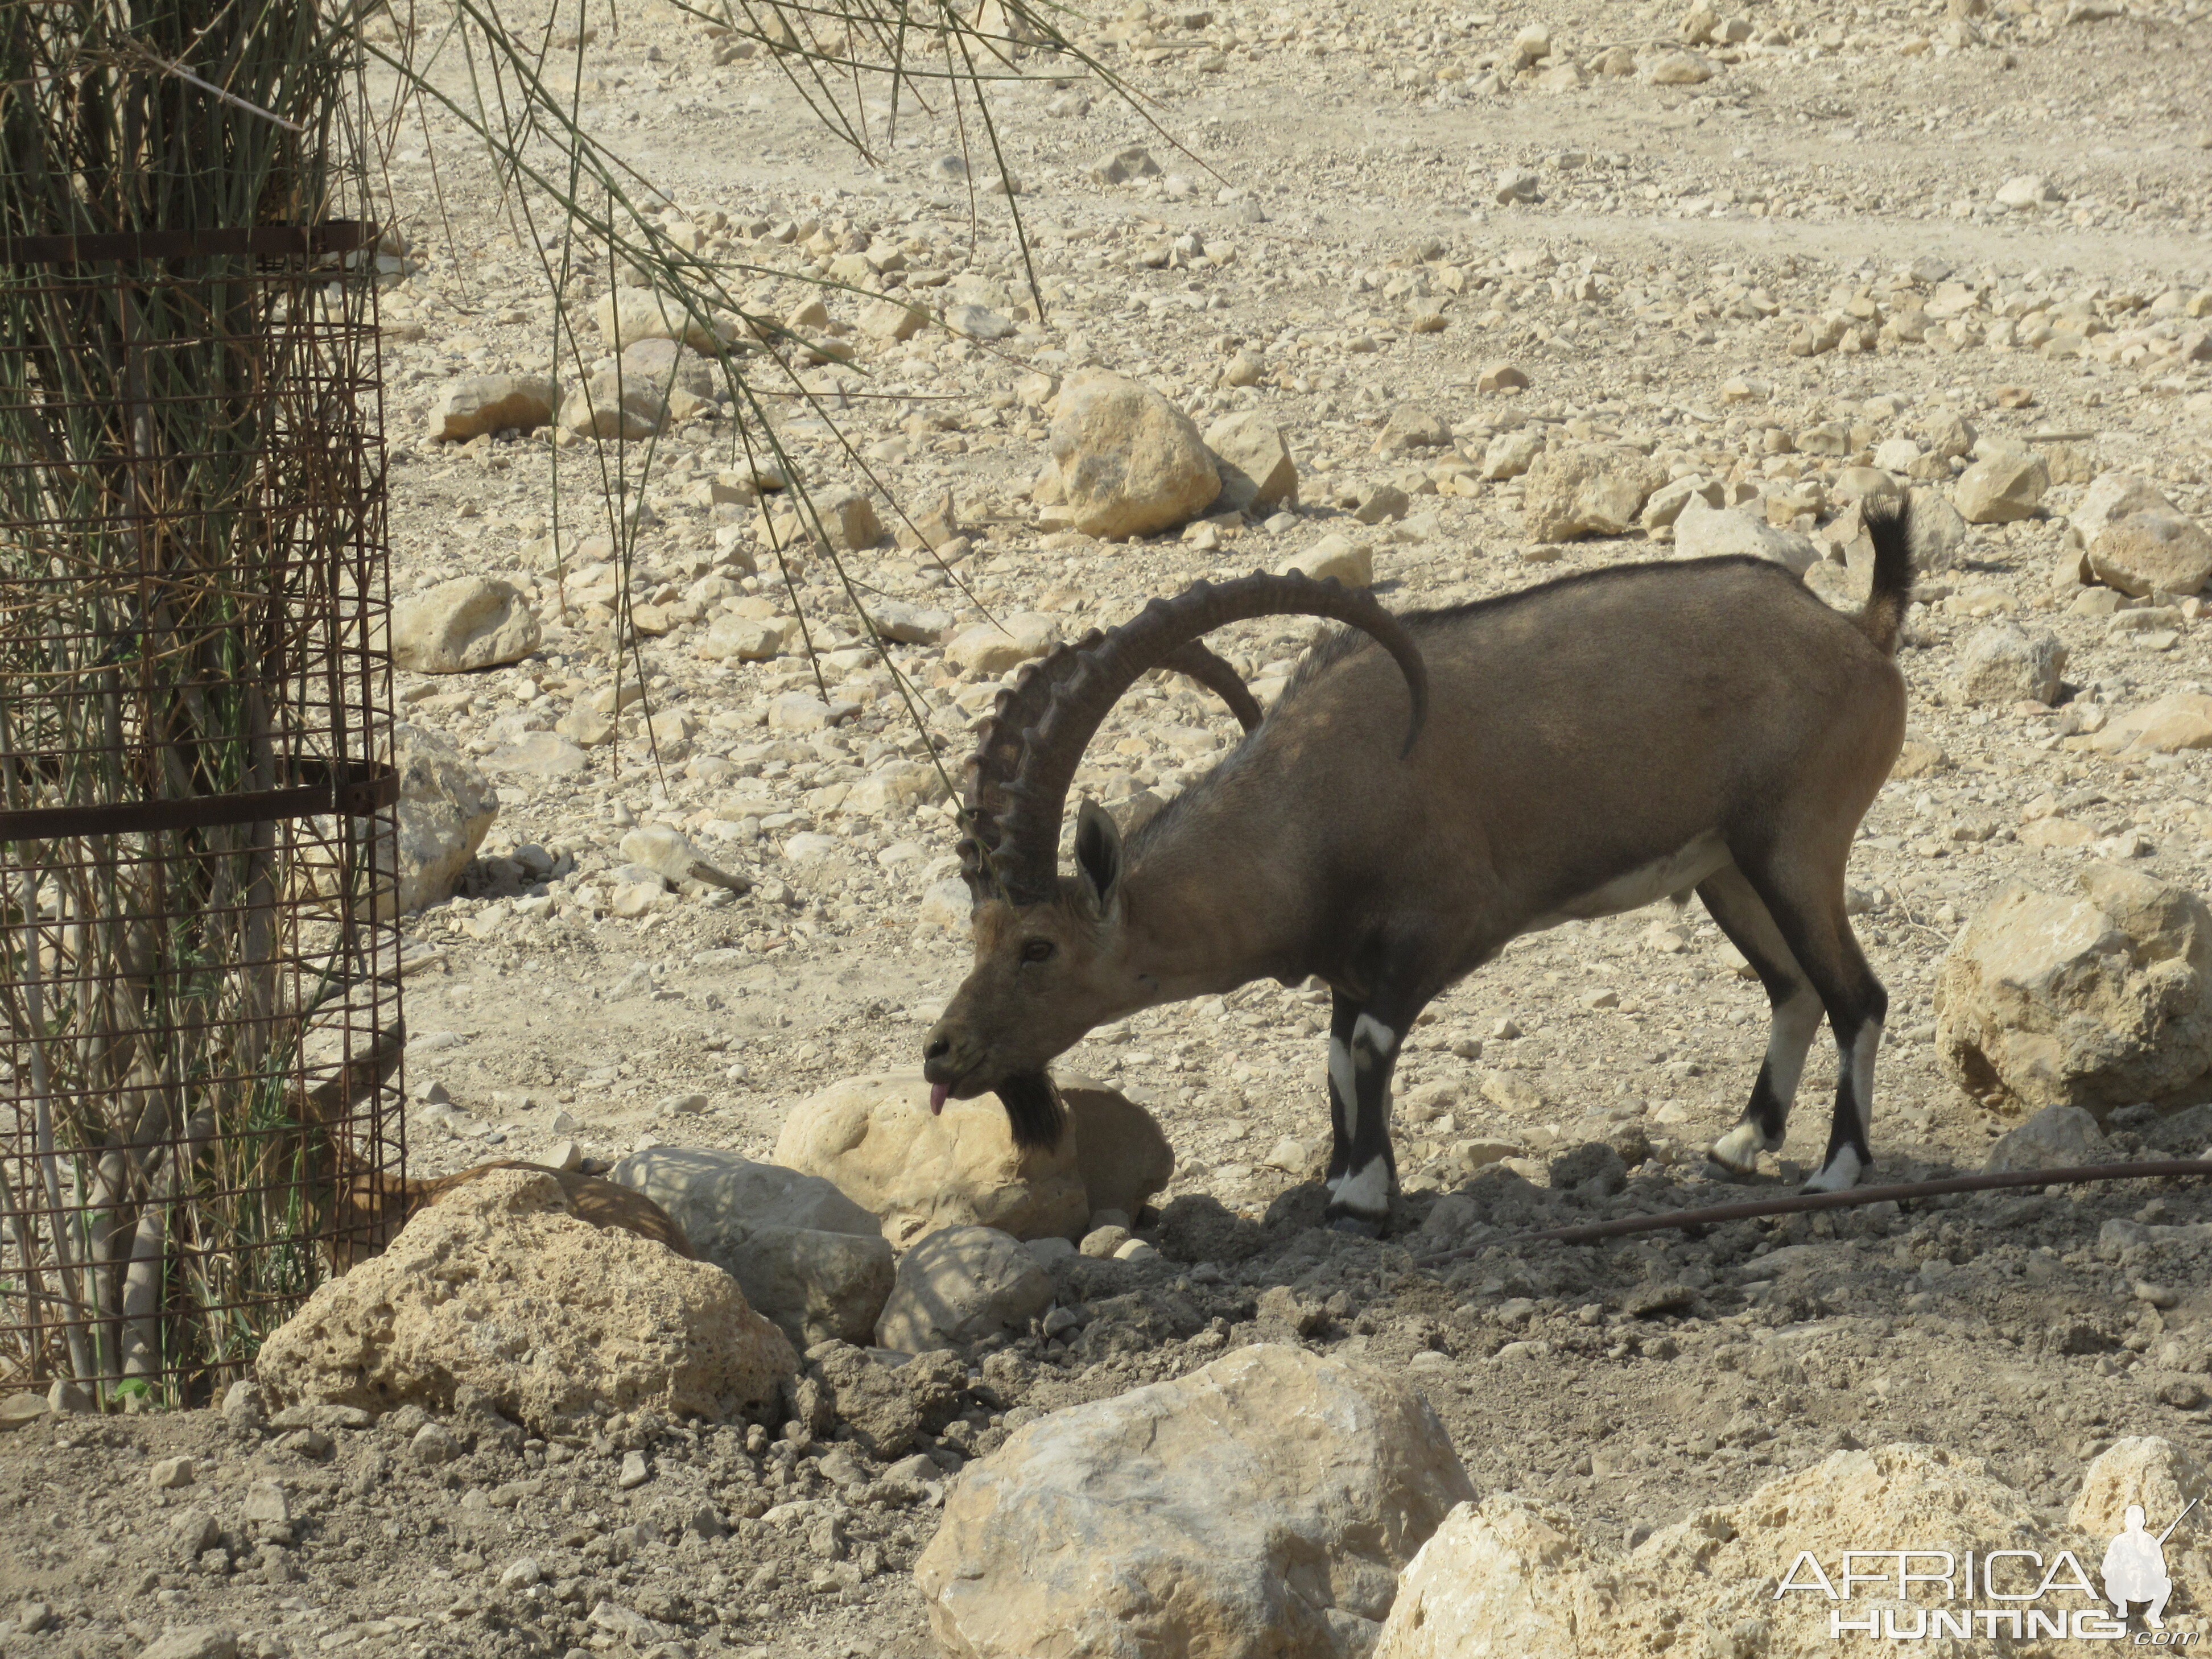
[[1363, 1171]]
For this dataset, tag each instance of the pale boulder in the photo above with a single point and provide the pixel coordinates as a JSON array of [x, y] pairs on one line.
[[470, 408], [1509, 1577], [2054, 1138], [1332, 558], [2097, 1001], [876, 1138], [2176, 722], [1586, 490], [503, 1288], [445, 808], [2115, 496], [459, 626], [2152, 552], [958, 1286], [2145, 1469], [1120, 1152], [627, 315], [2006, 663], [1704, 531], [1130, 463], [2001, 488], [1260, 1508], [993, 647], [1253, 462], [807, 1257]]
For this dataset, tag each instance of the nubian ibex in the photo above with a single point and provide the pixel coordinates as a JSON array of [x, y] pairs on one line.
[[1428, 788]]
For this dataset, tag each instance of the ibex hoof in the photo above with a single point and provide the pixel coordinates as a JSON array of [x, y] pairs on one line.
[[1358, 1227]]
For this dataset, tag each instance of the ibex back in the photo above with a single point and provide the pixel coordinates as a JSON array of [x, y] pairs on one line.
[[1576, 749]]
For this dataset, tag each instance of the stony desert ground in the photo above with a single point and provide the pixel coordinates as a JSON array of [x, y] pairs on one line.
[[1747, 254]]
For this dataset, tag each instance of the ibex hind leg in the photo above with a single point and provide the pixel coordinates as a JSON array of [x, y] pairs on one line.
[[1363, 1172], [1795, 1010], [1807, 907]]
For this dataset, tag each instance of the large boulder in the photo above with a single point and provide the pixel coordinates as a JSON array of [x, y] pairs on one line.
[[2176, 722], [1511, 1577], [445, 808], [2097, 1001], [2152, 552], [885, 1402], [503, 1288], [915, 1172], [957, 1286], [1261, 1508], [2001, 488], [470, 407], [1130, 462], [2112, 497], [2007, 663], [1704, 531], [2145, 1469], [1252, 461], [459, 626], [1590, 489], [877, 1140], [806, 1257]]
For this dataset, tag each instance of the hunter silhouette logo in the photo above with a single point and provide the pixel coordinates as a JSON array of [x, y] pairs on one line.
[[1917, 1595], [2135, 1567]]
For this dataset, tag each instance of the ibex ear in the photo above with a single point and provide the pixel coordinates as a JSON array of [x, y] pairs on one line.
[[1098, 857]]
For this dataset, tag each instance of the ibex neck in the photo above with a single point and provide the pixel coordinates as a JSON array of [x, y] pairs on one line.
[[1209, 906]]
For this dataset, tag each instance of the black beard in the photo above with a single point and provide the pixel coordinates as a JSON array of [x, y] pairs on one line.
[[1033, 1109]]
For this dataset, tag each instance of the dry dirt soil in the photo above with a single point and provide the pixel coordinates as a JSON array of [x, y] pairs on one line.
[[1341, 183]]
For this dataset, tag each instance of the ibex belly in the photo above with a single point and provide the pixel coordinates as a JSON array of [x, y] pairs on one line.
[[1663, 878]]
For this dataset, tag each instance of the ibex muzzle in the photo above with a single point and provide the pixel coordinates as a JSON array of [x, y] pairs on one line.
[[1427, 789]]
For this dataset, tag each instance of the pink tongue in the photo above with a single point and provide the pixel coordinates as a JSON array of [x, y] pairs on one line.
[[938, 1091]]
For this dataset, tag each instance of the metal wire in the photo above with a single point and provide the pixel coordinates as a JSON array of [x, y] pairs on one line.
[[199, 990], [2071, 1174]]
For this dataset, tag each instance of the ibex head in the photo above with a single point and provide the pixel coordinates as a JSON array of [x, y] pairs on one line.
[[1053, 956]]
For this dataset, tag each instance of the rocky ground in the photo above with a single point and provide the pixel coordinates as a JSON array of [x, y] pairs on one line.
[[1763, 250]]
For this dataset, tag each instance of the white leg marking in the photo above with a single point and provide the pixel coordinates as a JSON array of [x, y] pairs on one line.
[[1345, 1082], [1368, 1193], [1739, 1149], [1372, 1036], [1862, 1053], [1796, 1023], [1843, 1170]]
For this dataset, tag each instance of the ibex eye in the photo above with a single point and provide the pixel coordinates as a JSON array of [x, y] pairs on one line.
[[1038, 950]]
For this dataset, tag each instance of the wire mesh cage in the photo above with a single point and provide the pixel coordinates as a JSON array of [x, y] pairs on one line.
[[199, 993]]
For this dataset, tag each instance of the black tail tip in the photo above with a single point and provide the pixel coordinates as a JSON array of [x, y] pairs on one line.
[[1034, 1110]]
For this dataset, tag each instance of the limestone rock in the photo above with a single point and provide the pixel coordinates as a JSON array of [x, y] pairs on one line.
[[890, 319], [492, 403], [2112, 497], [1130, 462], [1411, 426], [851, 521], [617, 406], [1586, 490], [2004, 663], [2143, 1469], [501, 1287], [1704, 532], [993, 647], [670, 852], [627, 315], [2001, 488], [1120, 1152], [467, 624], [807, 1257], [1679, 68], [875, 1137], [2055, 1137], [905, 624], [538, 754], [2152, 551], [1253, 462], [1939, 532], [958, 1286], [445, 808], [2098, 1001], [1260, 1508], [1509, 1577], [2176, 722], [1332, 558]]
